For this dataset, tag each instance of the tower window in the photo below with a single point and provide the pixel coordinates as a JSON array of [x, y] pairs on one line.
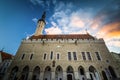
[[69, 55], [88, 55], [23, 56], [83, 55], [31, 56], [45, 56], [58, 56], [74, 55], [98, 56], [51, 56]]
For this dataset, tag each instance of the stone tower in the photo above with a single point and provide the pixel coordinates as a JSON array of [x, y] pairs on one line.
[[40, 25]]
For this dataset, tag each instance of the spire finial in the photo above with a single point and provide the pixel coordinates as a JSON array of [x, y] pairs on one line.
[[44, 15]]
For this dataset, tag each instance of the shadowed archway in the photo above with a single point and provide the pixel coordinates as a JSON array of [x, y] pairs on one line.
[[24, 74], [36, 73], [47, 73], [104, 75], [70, 73], [81, 73], [59, 73], [13, 74], [112, 72], [93, 73]]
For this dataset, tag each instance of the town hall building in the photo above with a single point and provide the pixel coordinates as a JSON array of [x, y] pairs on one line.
[[62, 57]]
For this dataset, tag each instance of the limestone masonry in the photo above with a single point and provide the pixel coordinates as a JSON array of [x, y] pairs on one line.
[[62, 57]]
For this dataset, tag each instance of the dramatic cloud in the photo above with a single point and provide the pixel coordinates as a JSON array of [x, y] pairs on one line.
[[107, 24], [68, 18], [110, 30], [69, 21]]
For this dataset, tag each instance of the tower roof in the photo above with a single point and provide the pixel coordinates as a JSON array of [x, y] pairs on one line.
[[42, 17], [70, 36]]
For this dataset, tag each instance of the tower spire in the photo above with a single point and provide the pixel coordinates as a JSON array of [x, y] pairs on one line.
[[40, 25], [44, 15]]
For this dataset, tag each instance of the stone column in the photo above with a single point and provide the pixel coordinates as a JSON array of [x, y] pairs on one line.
[[97, 76], [41, 76], [76, 75], [30, 75], [88, 75], [53, 76], [64, 76]]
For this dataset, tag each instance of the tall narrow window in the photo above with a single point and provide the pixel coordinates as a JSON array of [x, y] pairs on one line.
[[83, 55], [88, 55], [45, 56], [58, 56], [23, 56], [69, 55], [97, 55], [74, 55], [51, 56], [31, 56]]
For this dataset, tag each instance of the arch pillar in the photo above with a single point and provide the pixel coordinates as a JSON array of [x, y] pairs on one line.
[[53, 75], [97, 76], [64, 75], [76, 75], [87, 73], [30, 75], [41, 75]]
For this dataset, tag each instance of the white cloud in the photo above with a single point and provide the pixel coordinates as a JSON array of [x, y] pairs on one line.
[[28, 35], [53, 30], [53, 23], [75, 21], [35, 20]]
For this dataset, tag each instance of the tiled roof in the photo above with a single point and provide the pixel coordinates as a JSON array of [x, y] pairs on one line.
[[70, 36], [5, 55]]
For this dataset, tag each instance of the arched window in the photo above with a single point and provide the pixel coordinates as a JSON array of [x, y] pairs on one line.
[[104, 75], [47, 73], [81, 70], [13, 74], [25, 72], [93, 73], [70, 73], [36, 73], [112, 72], [81, 73], [59, 73]]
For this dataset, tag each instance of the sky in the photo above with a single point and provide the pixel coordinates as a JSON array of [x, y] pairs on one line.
[[100, 18]]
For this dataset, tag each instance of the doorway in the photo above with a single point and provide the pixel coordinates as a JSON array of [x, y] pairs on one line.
[[69, 77]]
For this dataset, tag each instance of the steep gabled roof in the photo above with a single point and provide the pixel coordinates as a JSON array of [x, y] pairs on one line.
[[5, 55]]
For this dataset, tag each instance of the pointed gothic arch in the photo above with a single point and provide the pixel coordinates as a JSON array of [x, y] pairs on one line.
[[59, 73], [81, 73], [93, 73], [112, 72], [104, 75], [70, 73], [36, 73], [47, 73], [13, 73], [24, 74]]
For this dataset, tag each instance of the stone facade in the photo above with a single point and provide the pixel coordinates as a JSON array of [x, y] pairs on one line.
[[63, 57]]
